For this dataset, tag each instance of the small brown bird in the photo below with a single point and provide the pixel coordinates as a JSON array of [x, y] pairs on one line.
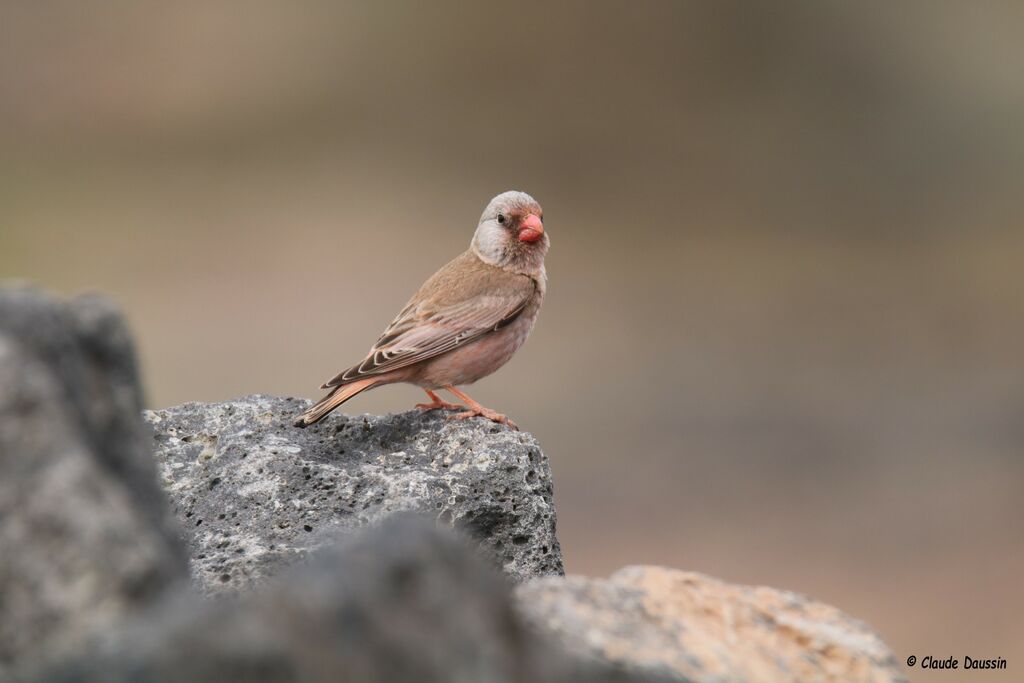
[[465, 322]]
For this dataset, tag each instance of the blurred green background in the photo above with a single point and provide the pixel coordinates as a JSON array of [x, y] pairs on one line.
[[784, 337]]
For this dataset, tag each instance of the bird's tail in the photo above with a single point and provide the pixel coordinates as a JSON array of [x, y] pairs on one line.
[[319, 410]]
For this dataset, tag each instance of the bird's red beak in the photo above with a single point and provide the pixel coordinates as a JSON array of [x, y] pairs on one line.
[[531, 228]]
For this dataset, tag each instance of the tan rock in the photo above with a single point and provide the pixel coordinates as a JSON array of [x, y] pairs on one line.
[[697, 628]]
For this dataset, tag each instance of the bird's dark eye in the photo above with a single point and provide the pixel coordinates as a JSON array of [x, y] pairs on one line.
[[501, 218]]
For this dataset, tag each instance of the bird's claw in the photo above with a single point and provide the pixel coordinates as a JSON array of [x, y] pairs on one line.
[[443, 405], [489, 414]]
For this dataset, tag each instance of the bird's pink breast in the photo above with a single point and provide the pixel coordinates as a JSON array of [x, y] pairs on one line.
[[480, 358]]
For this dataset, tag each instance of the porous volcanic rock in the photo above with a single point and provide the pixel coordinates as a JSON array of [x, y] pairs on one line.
[[94, 572], [85, 538], [255, 493], [696, 628], [405, 601]]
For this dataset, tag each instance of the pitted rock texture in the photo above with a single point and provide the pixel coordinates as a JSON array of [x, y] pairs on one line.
[[400, 603], [255, 493], [85, 538], [696, 628]]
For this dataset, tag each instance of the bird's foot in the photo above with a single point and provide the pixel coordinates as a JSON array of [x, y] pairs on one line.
[[443, 405], [475, 409], [484, 412], [436, 402]]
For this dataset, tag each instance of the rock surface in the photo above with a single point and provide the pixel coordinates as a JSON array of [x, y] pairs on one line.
[[406, 601], [94, 574], [255, 494], [84, 536], [695, 628]]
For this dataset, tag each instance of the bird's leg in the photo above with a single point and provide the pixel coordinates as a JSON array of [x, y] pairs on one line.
[[477, 409], [436, 402]]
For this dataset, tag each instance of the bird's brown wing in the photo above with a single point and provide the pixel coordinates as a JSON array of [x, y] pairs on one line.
[[462, 302]]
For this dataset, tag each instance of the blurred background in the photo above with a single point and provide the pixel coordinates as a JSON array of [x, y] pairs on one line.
[[784, 337]]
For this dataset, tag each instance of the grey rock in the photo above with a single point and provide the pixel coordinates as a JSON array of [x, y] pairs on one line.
[[691, 627], [85, 539], [93, 574], [256, 494], [407, 601]]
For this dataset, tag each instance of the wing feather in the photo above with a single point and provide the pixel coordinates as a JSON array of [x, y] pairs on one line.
[[460, 304]]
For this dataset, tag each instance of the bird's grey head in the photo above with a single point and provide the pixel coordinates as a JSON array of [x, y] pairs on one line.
[[511, 233]]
